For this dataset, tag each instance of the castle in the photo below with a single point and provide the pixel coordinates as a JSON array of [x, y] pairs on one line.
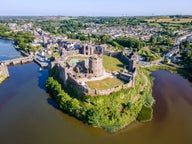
[[86, 64]]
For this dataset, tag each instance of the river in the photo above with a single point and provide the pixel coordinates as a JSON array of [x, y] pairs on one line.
[[7, 51], [29, 116]]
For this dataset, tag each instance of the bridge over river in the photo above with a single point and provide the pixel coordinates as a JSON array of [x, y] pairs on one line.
[[16, 61]]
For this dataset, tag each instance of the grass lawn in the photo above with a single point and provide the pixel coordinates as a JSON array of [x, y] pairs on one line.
[[104, 84], [79, 57], [74, 59], [112, 64]]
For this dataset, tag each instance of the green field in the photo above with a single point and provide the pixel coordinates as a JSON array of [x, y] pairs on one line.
[[104, 84], [170, 20], [112, 64]]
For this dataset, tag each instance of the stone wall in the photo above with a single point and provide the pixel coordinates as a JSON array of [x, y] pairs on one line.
[[63, 76], [124, 58], [80, 87], [66, 53], [86, 90], [108, 91], [112, 54], [87, 49], [3, 73]]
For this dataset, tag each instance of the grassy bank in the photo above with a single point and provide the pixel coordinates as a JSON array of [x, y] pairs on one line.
[[112, 112], [2, 78]]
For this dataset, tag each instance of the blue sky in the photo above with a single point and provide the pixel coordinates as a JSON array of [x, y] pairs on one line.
[[95, 7]]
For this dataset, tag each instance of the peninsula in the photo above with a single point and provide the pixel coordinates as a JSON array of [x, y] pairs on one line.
[[102, 88]]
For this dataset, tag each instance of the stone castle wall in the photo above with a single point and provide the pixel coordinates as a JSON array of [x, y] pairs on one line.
[[4, 73], [80, 87], [118, 55], [86, 90], [66, 53], [109, 91], [88, 50]]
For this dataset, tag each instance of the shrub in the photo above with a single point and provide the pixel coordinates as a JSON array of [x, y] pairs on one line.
[[145, 114]]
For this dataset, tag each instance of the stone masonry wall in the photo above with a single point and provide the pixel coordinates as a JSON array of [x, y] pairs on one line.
[[3, 73], [92, 92]]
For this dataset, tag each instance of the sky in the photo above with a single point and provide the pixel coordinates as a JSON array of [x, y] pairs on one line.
[[95, 7]]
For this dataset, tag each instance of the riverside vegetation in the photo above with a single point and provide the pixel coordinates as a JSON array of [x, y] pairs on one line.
[[112, 112], [20, 38]]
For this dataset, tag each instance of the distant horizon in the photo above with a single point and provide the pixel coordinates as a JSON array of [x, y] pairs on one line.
[[95, 8], [94, 15]]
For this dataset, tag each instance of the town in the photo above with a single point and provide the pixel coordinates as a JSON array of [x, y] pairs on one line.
[[48, 45], [95, 62]]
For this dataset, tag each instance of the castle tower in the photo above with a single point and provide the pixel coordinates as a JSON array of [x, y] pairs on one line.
[[88, 49], [63, 70], [96, 66], [132, 65]]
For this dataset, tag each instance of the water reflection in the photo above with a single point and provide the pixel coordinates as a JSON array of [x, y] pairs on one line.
[[52, 103], [7, 51], [43, 75]]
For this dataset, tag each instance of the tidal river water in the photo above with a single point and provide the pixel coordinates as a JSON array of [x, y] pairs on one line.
[[29, 116]]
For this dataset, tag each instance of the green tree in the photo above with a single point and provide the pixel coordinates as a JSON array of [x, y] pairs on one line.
[[104, 39], [95, 116], [159, 39], [22, 45], [153, 40], [74, 106], [185, 44]]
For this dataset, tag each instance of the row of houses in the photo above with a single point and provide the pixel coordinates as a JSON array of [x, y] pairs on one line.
[[140, 31]]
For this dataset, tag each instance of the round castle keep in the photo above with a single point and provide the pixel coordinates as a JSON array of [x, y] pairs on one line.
[[96, 66]]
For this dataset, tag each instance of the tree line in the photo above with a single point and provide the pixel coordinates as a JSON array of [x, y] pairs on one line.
[[21, 39]]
